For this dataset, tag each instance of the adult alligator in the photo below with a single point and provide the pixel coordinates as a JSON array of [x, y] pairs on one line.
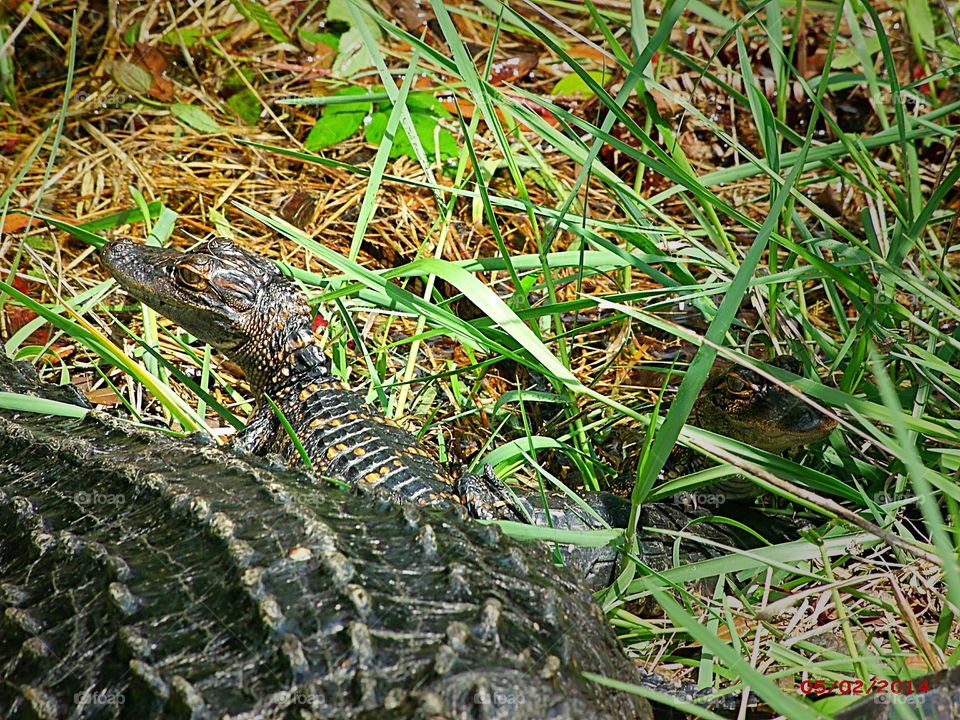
[[143, 576]]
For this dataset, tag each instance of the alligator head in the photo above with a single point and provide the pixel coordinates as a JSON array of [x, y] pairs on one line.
[[741, 404], [234, 300]]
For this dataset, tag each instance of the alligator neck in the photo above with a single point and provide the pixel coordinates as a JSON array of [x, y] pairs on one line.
[[283, 363]]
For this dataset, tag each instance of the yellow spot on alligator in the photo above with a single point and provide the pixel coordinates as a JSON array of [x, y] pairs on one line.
[[397, 462], [352, 416], [331, 453], [304, 395], [384, 470], [285, 372], [359, 451], [341, 447], [316, 422], [335, 421], [371, 477]]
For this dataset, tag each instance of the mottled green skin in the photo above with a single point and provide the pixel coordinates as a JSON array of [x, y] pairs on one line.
[[143, 576]]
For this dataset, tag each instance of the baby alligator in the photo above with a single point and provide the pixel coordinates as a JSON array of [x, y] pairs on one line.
[[244, 306]]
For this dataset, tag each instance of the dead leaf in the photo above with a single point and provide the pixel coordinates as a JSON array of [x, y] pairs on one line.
[[414, 14], [156, 63], [103, 396], [15, 221], [513, 68], [299, 209]]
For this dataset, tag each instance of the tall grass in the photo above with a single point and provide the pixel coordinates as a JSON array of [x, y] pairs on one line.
[[873, 309]]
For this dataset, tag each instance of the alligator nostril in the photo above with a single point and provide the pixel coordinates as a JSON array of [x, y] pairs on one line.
[[806, 419], [113, 248]]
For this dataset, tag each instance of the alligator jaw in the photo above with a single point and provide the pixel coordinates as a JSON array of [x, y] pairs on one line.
[[237, 302], [143, 271], [148, 273]]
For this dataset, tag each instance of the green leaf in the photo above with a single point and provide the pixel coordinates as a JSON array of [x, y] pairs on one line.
[[447, 143], [374, 130], [44, 406], [132, 33], [919, 16], [246, 105], [264, 19], [131, 77], [195, 117], [427, 103], [354, 52], [331, 130], [122, 217], [338, 121], [309, 37], [573, 84], [426, 127], [849, 58], [359, 106], [234, 81], [354, 55], [187, 36]]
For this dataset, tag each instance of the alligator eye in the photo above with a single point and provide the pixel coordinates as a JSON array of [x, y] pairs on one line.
[[191, 278], [736, 384]]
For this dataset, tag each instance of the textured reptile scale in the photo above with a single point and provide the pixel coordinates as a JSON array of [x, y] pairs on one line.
[[150, 577], [348, 439]]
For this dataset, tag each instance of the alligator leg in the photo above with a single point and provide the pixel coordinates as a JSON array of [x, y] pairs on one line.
[[259, 434], [487, 497]]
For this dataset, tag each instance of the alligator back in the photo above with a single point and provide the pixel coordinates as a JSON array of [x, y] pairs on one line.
[[145, 576]]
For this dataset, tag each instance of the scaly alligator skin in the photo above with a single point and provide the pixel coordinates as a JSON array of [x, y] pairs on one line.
[[244, 306], [143, 576], [739, 403]]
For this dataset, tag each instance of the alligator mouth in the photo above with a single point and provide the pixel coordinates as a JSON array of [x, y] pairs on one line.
[[800, 425], [804, 420], [139, 269]]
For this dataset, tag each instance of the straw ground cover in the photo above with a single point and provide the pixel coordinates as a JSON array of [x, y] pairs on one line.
[[530, 230]]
